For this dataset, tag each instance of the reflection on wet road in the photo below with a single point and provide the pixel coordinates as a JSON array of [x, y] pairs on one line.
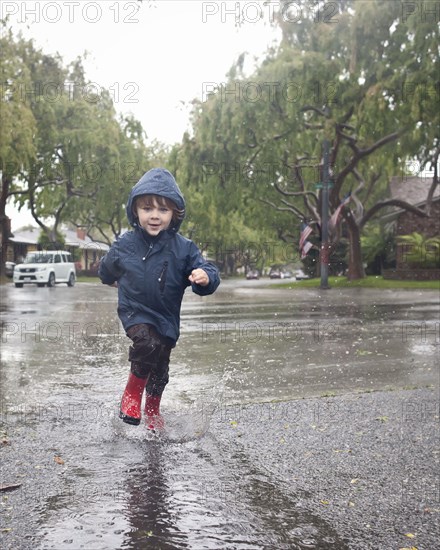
[[90, 481]]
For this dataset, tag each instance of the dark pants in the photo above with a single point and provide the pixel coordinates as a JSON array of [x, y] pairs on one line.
[[149, 356]]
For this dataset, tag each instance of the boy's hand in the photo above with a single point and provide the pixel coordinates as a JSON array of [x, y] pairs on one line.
[[199, 277]]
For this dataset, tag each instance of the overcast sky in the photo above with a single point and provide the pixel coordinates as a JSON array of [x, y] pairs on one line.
[[154, 56]]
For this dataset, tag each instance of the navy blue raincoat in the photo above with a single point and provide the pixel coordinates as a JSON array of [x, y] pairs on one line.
[[152, 272]]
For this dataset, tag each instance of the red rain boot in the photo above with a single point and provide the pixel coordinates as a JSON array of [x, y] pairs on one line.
[[154, 419], [130, 411]]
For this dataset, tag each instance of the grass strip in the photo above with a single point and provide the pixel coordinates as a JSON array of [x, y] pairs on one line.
[[372, 281]]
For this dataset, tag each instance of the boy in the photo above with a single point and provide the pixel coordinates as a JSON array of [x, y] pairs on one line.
[[153, 265]]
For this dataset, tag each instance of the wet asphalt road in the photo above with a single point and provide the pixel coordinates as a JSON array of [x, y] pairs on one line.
[[295, 419]]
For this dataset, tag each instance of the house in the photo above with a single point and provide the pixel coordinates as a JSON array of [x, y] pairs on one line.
[[20, 243], [413, 190], [83, 248], [91, 251]]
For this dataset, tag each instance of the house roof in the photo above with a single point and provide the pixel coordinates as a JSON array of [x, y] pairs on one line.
[[31, 235], [413, 190], [72, 239], [26, 236]]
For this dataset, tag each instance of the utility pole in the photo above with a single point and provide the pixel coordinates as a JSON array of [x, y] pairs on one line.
[[324, 256]]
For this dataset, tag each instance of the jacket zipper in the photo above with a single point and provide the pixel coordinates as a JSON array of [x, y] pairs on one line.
[[162, 277], [148, 252]]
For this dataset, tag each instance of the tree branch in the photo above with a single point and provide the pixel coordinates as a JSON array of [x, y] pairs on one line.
[[359, 154], [106, 239], [373, 180], [351, 139], [348, 115], [284, 134], [313, 126], [391, 202], [295, 193], [356, 200], [384, 141], [292, 209]]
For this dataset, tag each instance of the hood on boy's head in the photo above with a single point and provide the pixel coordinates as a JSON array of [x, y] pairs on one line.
[[157, 181]]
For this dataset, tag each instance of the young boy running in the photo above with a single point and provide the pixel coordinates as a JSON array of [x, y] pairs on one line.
[[152, 266]]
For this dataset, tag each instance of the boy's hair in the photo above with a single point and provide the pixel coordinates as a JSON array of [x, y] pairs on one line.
[[149, 200]]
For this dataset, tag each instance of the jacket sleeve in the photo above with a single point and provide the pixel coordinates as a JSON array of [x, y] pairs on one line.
[[109, 267], [197, 261]]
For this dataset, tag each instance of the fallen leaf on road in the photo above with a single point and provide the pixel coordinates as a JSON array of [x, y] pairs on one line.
[[58, 460], [326, 502], [363, 352], [409, 535]]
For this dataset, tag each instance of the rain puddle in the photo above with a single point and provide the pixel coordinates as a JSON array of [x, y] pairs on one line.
[[157, 493]]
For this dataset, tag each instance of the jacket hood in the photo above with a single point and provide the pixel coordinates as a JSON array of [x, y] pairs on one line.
[[157, 181]]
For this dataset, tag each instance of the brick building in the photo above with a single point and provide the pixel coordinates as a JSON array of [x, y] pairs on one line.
[[413, 190]]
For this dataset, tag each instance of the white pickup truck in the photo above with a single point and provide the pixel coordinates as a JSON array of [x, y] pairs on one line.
[[47, 267]]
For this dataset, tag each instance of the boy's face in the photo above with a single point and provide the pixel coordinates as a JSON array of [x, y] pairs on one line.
[[154, 217]]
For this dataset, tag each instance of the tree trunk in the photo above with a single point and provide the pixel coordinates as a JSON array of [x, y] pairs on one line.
[[4, 222], [355, 265]]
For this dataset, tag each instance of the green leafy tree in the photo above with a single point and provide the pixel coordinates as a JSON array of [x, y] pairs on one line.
[[77, 136], [84, 158], [331, 80], [17, 129], [47, 243], [104, 214]]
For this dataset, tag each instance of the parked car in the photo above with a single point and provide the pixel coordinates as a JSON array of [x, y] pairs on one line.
[[253, 274], [300, 275], [9, 269], [279, 273], [275, 273], [47, 267]]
